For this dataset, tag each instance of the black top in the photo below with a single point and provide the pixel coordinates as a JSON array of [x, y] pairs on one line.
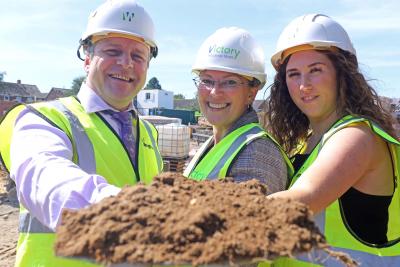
[[366, 215]]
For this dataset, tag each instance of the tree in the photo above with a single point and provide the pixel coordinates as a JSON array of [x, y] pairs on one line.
[[2, 73], [153, 83], [76, 84], [179, 96]]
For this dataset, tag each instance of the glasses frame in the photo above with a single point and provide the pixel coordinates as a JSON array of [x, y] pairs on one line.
[[200, 85]]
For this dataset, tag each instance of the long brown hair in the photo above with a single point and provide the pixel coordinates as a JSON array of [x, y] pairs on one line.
[[355, 96]]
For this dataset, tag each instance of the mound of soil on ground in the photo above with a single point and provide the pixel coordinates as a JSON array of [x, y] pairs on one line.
[[179, 221]]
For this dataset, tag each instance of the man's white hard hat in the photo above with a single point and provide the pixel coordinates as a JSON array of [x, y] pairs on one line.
[[124, 18]]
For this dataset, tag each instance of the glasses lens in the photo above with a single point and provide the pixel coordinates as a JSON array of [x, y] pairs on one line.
[[229, 84], [205, 83]]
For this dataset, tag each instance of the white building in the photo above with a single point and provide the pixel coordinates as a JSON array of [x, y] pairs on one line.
[[154, 98]]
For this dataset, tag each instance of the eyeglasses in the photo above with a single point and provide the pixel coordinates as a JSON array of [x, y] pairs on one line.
[[204, 83]]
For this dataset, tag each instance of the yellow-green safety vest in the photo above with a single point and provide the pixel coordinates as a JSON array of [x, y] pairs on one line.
[[333, 225], [97, 149], [216, 163]]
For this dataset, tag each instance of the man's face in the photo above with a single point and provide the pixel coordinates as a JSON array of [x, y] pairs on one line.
[[117, 69]]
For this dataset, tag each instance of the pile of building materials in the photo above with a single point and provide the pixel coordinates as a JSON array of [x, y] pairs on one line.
[[174, 145]]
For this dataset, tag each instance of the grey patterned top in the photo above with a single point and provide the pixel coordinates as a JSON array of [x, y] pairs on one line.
[[261, 159]]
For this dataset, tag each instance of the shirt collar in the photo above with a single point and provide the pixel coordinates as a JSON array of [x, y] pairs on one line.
[[249, 116], [92, 102]]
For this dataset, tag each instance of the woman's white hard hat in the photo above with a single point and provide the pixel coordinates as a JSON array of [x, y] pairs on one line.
[[232, 50], [316, 30]]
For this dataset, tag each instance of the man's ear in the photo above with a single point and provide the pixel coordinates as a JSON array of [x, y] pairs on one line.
[[86, 64]]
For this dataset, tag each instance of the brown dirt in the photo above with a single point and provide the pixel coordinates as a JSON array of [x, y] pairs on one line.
[[180, 221], [8, 220]]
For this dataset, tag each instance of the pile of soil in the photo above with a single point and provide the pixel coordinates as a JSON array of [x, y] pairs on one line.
[[180, 221]]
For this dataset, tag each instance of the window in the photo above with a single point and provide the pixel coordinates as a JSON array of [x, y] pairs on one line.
[[6, 97], [148, 96]]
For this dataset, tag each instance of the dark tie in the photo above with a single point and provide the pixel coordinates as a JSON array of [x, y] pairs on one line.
[[125, 119]]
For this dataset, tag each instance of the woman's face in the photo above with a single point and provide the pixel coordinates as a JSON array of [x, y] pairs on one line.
[[223, 97], [311, 80]]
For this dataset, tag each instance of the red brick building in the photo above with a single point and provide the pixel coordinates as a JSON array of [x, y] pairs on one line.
[[13, 93]]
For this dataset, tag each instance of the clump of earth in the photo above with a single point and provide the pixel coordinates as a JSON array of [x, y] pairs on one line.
[[176, 220]]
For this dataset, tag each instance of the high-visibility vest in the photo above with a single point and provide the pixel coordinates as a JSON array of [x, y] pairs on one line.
[[216, 163], [333, 225], [97, 149]]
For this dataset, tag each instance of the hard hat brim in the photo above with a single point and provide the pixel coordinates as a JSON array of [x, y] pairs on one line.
[[280, 56], [259, 76]]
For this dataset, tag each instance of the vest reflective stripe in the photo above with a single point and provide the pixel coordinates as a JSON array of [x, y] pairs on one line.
[[319, 219], [154, 144], [330, 221], [83, 146], [224, 152], [29, 224], [221, 167], [216, 162], [149, 162], [195, 160], [321, 258]]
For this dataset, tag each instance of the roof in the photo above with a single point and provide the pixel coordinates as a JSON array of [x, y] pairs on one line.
[[20, 89], [57, 93]]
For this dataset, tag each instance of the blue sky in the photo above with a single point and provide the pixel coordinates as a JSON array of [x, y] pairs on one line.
[[38, 38]]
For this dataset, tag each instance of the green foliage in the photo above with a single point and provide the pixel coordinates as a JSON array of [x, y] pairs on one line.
[[2, 73], [153, 83], [186, 104], [179, 96], [76, 84]]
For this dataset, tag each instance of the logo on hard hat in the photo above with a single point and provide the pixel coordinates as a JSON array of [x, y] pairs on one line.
[[128, 15], [225, 52]]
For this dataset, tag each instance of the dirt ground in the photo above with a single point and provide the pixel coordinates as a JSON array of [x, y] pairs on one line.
[[8, 222]]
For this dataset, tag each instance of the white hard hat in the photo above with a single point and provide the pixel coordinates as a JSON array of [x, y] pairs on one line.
[[232, 50], [316, 30], [125, 17]]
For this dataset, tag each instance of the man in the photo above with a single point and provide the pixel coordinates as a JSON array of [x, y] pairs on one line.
[[73, 152]]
